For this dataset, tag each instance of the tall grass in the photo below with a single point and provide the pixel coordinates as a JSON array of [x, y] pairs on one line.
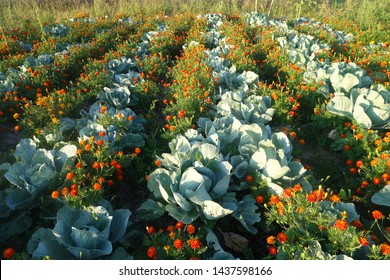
[[369, 13]]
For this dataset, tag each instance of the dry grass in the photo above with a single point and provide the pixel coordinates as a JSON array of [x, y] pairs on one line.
[[366, 12]]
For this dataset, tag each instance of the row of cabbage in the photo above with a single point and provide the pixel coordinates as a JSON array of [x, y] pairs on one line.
[[355, 95], [78, 233], [202, 177]]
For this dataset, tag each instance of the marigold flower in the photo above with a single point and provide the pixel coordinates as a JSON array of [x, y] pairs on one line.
[[9, 253], [170, 228], [55, 194], [271, 240], [137, 151], [172, 234], [195, 243], [363, 241], [79, 165], [151, 230], [99, 142], [181, 114], [88, 147], [335, 198], [65, 191], [376, 181], [157, 163], [287, 192], [179, 225], [376, 214], [282, 237], [272, 250], [190, 229], [151, 252], [341, 224], [249, 179], [259, 199], [70, 176], [297, 187], [178, 243], [312, 197], [96, 165], [97, 186], [385, 249], [320, 194], [74, 192], [274, 199]]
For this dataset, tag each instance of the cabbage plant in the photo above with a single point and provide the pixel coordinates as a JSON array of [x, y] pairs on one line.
[[34, 173], [369, 107], [80, 234], [193, 182], [382, 197]]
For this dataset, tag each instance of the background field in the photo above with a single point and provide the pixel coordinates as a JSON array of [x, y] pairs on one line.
[[371, 14]]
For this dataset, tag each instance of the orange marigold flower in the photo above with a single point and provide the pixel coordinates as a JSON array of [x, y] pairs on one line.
[[151, 230], [101, 180], [320, 194], [178, 244], [55, 194], [335, 198], [96, 165], [157, 163], [297, 187], [65, 191], [97, 186], [70, 176], [363, 241], [312, 197], [272, 250], [137, 151], [195, 243], [190, 229], [9, 253], [151, 252], [181, 114], [249, 179], [74, 192], [259, 199], [282, 237], [287, 192], [376, 214], [385, 249], [179, 225], [170, 228], [341, 224], [79, 165], [88, 147], [271, 240], [274, 199], [99, 142], [172, 235]]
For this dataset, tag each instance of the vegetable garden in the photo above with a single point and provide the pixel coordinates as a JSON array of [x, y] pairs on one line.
[[194, 137]]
